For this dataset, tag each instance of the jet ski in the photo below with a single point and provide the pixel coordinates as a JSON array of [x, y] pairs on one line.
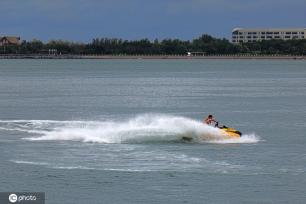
[[229, 132]]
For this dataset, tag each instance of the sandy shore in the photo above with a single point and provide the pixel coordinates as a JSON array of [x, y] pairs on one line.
[[278, 57]]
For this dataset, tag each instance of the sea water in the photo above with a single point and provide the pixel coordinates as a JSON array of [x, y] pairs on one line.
[[110, 131]]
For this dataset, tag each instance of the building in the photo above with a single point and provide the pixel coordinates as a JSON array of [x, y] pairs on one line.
[[9, 40], [242, 35]]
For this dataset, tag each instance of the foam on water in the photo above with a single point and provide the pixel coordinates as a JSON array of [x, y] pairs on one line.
[[141, 129], [149, 161]]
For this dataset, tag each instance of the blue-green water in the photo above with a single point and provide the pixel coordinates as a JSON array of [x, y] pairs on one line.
[[109, 131]]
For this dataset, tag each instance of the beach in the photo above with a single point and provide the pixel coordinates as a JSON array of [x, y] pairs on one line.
[[158, 57]]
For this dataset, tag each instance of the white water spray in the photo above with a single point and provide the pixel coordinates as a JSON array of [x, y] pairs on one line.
[[142, 129]]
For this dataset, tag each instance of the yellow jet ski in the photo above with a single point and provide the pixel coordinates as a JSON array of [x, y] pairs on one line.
[[229, 132]]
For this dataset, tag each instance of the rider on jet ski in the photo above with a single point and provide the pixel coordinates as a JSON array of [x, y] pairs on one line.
[[210, 120], [229, 132]]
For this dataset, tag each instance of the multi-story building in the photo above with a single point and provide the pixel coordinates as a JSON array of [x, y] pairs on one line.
[[242, 35]]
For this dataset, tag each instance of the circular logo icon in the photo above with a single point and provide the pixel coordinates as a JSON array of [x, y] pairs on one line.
[[13, 198]]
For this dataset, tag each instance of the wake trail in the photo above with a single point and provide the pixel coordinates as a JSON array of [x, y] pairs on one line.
[[145, 128]]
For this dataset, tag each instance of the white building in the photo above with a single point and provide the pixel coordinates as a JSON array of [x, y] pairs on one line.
[[241, 35]]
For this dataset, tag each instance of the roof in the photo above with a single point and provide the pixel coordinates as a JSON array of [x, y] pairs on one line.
[[11, 39], [268, 29]]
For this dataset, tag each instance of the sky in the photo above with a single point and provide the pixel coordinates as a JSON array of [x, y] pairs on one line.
[[83, 20]]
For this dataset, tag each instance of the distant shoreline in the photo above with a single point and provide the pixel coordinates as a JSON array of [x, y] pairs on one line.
[[259, 57]]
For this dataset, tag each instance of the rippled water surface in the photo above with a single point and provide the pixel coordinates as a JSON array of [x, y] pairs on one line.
[[110, 131]]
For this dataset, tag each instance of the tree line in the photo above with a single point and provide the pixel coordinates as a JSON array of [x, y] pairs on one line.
[[113, 46]]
